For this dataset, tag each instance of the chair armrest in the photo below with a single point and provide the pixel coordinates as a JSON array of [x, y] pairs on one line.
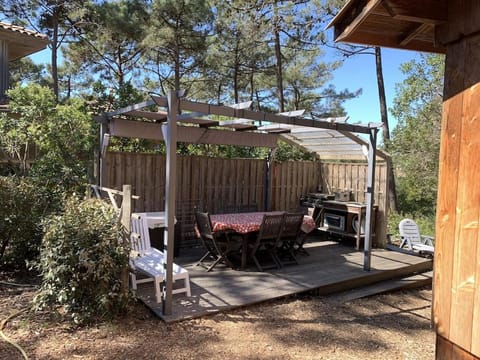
[[428, 240]]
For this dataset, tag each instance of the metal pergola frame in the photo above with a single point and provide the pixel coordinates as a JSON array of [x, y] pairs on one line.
[[185, 121]]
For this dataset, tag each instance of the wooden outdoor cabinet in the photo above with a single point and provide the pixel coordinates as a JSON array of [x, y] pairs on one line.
[[351, 221]]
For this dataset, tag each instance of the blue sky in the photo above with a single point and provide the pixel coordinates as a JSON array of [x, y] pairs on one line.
[[359, 72], [356, 72]]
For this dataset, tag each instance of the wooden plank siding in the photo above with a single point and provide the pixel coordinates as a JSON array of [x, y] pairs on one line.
[[212, 183], [446, 350], [456, 303]]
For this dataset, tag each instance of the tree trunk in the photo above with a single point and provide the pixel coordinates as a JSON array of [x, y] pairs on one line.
[[235, 83], [278, 57], [177, 66], [392, 193], [54, 55]]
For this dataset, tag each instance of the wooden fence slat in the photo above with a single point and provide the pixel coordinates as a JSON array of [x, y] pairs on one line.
[[214, 182]]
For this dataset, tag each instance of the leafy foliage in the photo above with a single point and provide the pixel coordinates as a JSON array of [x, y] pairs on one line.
[[267, 51], [415, 141], [109, 44], [21, 211], [61, 136], [287, 151], [58, 139], [81, 262], [24, 70], [58, 19], [177, 41]]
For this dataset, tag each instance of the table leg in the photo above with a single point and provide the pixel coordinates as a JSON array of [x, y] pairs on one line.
[[244, 252], [359, 229]]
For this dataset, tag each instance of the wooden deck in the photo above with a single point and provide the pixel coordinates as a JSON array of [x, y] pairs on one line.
[[331, 267]]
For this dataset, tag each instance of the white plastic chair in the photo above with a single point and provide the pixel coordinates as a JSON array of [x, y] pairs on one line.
[[149, 261], [411, 238], [140, 227]]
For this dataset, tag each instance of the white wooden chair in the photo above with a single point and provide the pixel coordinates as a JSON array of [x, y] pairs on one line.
[[149, 261], [411, 238]]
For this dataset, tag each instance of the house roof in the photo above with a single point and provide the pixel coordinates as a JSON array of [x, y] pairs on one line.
[[21, 41], [400, 24], [327, 138]]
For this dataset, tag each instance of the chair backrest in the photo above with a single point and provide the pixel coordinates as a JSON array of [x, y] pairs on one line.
[[409, 231], [292, 223], [204, 225], [140, 227], [271, 227]]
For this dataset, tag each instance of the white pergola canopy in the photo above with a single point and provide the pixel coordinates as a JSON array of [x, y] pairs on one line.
[[198, 122]]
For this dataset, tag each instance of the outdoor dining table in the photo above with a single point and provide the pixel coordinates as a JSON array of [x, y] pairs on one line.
[[246, 224]]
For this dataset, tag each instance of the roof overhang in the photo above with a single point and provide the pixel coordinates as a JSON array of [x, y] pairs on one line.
[[400, 24], [21, 42]]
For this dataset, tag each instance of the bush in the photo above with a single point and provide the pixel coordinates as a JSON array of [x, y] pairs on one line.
[[82, 262], [21, 211]]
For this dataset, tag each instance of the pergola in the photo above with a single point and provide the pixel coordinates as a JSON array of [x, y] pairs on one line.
[[175, 119], [450, 27], [15, 43]]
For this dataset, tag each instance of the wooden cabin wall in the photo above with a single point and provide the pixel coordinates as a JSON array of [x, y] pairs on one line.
[[456, 303]]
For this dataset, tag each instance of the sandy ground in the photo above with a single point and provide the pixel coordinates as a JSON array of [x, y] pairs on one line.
[[390, 326]]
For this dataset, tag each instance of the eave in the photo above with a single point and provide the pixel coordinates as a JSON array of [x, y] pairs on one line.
[[400, 24]]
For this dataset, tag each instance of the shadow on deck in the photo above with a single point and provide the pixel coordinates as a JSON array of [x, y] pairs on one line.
[[330, 268]]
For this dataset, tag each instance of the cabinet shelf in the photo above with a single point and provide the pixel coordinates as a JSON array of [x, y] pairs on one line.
[[352, 212]]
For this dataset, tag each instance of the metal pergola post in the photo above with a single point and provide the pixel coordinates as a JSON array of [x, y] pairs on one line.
[[102, 151], [372, 147], [268, 179], [170, 135]]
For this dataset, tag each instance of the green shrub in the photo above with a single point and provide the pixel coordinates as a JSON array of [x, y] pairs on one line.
[[82, 262], [21, 211]]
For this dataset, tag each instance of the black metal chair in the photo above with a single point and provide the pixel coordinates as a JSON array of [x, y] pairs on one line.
[[289, 238], [267, 239], [220, 246]]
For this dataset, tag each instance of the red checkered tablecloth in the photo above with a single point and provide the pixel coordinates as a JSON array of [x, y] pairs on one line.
[[244, 223]]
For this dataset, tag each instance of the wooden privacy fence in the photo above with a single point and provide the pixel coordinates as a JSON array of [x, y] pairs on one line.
[[210, 182], [216, 183]]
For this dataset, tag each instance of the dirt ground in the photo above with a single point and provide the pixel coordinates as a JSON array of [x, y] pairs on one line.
[[390, 326]]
